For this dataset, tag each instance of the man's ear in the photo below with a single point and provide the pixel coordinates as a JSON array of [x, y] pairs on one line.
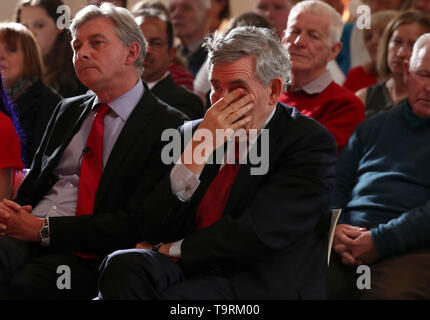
[[276, 88], [335, 49], [133, 53]]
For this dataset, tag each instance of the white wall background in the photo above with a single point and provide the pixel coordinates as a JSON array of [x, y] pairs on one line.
[[7, 7]]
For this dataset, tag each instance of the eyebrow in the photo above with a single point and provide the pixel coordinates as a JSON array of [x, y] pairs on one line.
[[92, 37]]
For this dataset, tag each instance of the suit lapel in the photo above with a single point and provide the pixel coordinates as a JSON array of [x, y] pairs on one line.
[[245, 183], [65, 131], [136, 123]]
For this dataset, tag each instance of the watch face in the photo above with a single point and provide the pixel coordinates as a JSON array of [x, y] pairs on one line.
[[44, 232]]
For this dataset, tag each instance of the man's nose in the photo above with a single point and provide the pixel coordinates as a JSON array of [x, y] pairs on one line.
[[82, 53]]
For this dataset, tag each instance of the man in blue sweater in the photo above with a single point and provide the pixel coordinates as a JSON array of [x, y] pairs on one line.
[[383, 188]]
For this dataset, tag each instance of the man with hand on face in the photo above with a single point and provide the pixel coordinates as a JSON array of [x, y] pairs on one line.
[[158, 32], [312, 40], [240, 234], [383, 187], [97, 163]]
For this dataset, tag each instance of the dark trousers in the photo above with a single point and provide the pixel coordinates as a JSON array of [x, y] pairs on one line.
[[145, 274], [405, 276], [28, 271]]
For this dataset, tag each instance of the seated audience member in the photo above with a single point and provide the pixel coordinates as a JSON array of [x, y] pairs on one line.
[[202, 86], [383, 187], [354, 52], [220, 13], [365, 75], [158, 31], [396, 49], [423, 5], [178, 71], [32, 100], [191, 22], [256, 238], [10, 147], [277, 11], [98, 161], [312, 40], [41, 17]]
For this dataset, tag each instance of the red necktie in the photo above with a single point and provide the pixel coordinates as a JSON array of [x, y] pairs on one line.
[[92, 164], [213, 202]]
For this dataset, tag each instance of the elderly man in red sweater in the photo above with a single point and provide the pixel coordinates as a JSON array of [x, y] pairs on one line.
[[312, 40]]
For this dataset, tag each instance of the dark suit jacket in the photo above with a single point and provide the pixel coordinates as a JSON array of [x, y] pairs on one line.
[[179, 98], [268, 241], [34, 109], [196, 60], [133, 168]]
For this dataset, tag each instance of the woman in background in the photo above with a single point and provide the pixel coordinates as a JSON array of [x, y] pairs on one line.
[[41, 16], [396, 49], [10, 148], [366, 75], [22, 68]]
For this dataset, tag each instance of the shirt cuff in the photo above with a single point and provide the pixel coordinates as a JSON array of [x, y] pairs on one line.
[[175, 249], [183, 182]]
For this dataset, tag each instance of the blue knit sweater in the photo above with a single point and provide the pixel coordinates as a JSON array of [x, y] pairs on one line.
[[383, 180]]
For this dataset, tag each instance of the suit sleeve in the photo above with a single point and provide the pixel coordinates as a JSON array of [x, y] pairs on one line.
[[26, 193], [286, 207], [117, 226], [405, 233]]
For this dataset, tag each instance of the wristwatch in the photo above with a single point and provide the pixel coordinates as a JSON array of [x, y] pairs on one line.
[[157, 246], [44, 234]]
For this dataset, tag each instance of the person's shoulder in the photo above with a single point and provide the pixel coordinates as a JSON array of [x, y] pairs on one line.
[[298, 120], [300, 130], [163, 111], [336, 92], [6, 125]]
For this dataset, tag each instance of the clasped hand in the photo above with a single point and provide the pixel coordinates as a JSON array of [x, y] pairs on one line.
[[17, 221], [354, 244]]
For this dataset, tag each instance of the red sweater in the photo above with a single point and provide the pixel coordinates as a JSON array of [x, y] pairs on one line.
[[357, 79], [336, 108]]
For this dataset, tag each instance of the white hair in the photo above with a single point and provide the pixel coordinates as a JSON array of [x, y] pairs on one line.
[[321, 8], [421, 42]]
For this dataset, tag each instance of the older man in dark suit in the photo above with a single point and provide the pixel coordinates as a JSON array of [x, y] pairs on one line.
[[241, 232], [97, 163], [158, 32]]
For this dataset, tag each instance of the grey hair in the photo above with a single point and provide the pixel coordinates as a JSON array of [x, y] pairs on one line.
[[318, 7], [422, 41], [126, 28], [271, 59]]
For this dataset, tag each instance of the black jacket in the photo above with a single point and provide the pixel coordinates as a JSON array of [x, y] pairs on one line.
[[133, 169], [34, 109], [179, 98], [269, 241]]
